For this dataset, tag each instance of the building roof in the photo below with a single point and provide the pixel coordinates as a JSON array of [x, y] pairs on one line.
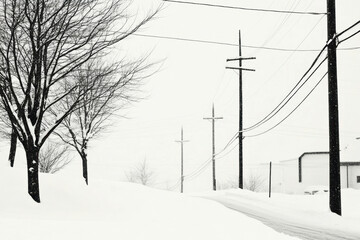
[[302, 155], [350, 164], [349, 156], [312, 153]]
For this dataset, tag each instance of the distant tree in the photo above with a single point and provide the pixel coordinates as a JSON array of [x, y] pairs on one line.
[[113, 86], [142, 173], [229, 184], [253, 182], [53, 158], [42, 43]]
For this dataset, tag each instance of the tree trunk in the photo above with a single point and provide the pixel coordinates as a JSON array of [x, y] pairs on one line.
[[84, 166], [32, 158], [13, 144]]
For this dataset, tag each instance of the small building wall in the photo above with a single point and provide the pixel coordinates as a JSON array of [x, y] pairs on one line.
[[315, 170], [354, 172], [300, 173], [312, 169], [344, 179]]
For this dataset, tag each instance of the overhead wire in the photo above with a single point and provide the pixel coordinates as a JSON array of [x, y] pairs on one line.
[[349, 28], [197, 172], [233, 44], [219, 85], [298, 20], [290, 55], [227, 153], [273, 34], [175, 185], [289, 96], [295, 89], [261, 17], [288, 115], [347, 38], [201, 168], [307, 35], [246, 8]]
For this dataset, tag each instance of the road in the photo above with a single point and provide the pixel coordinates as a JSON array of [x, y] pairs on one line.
[[286, 226]]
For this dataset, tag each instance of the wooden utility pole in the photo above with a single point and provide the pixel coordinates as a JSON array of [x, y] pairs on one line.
[[334, 165], [213, 118], [240, 136], [182, 141], [270, 168]]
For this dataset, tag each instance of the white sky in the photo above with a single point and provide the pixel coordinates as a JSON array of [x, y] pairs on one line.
[[193, 76]]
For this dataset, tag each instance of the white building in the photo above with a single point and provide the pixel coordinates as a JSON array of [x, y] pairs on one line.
[[312, 169]]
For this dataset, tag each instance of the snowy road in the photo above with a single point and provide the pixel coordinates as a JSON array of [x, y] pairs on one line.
[[286, 225]]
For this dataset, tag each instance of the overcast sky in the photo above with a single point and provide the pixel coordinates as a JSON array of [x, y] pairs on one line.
[[193, 76]]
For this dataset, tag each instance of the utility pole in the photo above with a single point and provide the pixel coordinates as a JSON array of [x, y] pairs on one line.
[[182, 141], [213, 118], [270, 168], [334, 165], [240, 136]]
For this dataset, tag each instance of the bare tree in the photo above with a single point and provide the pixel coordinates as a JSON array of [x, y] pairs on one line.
[[253, 182], [112, 87], [229, 184], [13, 146], [42, 43], [8, 132], [53, 158], [142, 174]]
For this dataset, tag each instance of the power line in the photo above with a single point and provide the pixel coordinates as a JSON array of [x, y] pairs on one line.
[[284, 20], [175, 185], [290, 95], [347, 29], [279, 106], [198, 171], [291, 111], [202, 168], [295, 89], [246, 8], [232, 149], [234, 45], [208, 161], [290, 55], [299, 19], [278, 109], [287, 98], [347, 38]]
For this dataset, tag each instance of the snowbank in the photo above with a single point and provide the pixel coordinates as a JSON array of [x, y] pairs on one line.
[[113, 210]]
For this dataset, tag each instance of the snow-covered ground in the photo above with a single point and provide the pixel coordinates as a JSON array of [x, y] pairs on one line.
[[307, 213], [114, 210], [117, 210]]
